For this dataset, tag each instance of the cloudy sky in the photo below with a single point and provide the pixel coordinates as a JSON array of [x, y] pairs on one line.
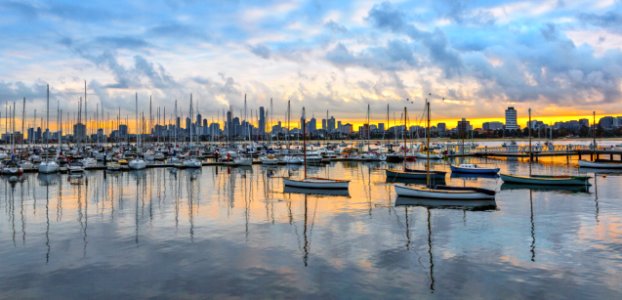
[[559, 57]]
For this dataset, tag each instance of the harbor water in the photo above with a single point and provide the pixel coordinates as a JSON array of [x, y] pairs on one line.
[[222, 232]]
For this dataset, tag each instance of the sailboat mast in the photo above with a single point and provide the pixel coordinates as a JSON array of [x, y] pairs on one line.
[[86, 113], [48, 121], [368, 128], [191, 127], [529, 132], [594, 130], [304, 143], [427, 141], [404, 135], [137, 122], [288, 117], [23, 119]]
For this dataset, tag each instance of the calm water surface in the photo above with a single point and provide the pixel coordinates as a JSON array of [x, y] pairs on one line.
[[235, 233]]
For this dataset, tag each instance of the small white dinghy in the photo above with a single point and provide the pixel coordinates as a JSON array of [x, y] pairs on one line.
[[317, 183], [445, 192]]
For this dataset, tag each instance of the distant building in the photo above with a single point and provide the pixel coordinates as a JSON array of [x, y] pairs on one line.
[[535, 124], [441, 128], [262, 122], [346, 128], [491, 126], [511, 119], [607, 122], [330, 124], [463, 127], [79, 132]]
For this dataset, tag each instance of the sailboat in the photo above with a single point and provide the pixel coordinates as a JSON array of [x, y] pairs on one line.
[[48, 166], [474, 169], [409, 173], [543, 179], [191, 161], [312, 182], [137, 163], [442, 192]]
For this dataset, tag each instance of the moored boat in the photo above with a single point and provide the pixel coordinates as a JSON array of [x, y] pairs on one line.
[[445, 192], [546, 179], [473, 169], [316, 183], [600, 164]]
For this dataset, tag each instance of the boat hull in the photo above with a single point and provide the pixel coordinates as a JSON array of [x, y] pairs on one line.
[[458, 169], [48, 167], [546, 180], [316, 184], [444, 194], [600, 165]]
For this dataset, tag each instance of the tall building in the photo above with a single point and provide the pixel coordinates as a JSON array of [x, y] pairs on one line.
[[312, 125], [330, 124], [463, 127], [511, 119], [123, 131], [79, 132], [262, 122], [492, 125], [441, 128]]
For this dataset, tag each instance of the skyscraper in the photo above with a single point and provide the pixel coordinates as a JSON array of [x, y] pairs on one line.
[[262, 122], [511, 119]]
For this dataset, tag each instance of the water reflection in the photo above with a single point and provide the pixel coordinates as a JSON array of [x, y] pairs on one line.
[[238, 231]]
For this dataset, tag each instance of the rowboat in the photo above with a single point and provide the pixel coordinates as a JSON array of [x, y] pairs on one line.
[[473, 169], [546, 180], [445, 193], [316, 183], [599, 164]]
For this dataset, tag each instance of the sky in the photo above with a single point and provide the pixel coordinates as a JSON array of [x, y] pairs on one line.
[[471, 59]]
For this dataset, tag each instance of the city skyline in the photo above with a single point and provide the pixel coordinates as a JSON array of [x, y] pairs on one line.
[[560, 58]]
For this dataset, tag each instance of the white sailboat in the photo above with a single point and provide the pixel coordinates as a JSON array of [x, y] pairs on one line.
[[137, 163], [312, 182], [191, 161], [48, 166]]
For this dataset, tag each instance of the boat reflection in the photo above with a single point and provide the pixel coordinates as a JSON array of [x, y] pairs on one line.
[[450, 204], [434, 181], [319, 192], [594, 171], [48, 179], [544, 188], [468, 176]]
